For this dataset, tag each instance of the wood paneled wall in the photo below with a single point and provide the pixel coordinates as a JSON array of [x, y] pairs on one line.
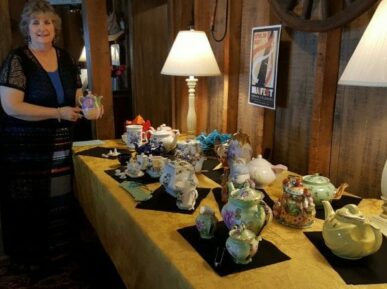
[[149, 34]]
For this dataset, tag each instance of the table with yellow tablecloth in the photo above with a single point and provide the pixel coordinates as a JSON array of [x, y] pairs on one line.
[[149, 252]]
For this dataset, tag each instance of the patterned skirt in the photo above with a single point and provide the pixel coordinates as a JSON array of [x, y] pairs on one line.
[[36, 200]]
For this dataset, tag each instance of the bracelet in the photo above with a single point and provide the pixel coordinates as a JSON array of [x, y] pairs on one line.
[[59, 115]]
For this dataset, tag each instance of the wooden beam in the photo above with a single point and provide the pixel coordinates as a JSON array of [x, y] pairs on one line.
[[232, 50], [327, 67], [98, 62], [5, 23]]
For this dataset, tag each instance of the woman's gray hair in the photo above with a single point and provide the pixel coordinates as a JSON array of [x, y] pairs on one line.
[[34, 7]]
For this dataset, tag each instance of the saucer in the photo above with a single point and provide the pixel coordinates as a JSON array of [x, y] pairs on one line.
[[139, 174]]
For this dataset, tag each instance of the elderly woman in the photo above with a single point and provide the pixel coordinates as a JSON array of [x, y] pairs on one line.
[[39, 87]]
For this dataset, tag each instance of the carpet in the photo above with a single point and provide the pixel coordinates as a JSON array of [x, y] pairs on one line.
[[86, 267]]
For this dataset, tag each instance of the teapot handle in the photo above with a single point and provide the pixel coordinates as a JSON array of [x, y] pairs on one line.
[[268, 216]]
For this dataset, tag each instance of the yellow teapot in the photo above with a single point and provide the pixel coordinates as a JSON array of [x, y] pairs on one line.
[[348, 234]]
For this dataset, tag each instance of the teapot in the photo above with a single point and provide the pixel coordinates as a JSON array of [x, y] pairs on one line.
[[190, 151], [178, 176], [246, 205], [322, 189], [164, 135], [242, 244], [91, 105], [206, 222], [348, 234], [262, 172], [295, 208]]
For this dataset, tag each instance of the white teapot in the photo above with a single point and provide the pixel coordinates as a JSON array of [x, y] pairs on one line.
[[178, 176], [164, 135], [262, 172]]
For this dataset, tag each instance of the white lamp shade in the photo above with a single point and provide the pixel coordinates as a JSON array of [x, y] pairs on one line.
[[368, 64], [191, 55]]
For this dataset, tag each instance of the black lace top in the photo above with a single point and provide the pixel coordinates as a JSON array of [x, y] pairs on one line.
[[21, 70]]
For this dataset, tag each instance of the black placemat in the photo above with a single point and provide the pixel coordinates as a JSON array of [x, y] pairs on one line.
[[209, 164], [145, 179], [162, 201], [368, 270], [337, 204], [217, 192], [98, 151], [267, 253]]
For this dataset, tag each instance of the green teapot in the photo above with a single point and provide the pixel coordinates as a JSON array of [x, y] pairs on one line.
[[322, 189], [348, 234]]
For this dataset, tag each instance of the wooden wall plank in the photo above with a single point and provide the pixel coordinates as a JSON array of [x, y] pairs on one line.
[[151, 90], [231, 64], [250, 118], [297, 72], [98, 63], [6, 38], [327, 65]]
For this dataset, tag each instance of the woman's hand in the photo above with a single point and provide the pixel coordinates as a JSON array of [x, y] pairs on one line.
[[69, 113]]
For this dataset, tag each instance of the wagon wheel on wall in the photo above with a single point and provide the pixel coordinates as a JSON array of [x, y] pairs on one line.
[[318, 15]]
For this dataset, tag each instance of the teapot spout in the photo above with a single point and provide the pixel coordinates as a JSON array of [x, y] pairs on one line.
[[340, 190], [328, 210], [230, 187]]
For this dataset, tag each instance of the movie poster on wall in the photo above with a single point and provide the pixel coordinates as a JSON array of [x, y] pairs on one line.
[[263, 65]]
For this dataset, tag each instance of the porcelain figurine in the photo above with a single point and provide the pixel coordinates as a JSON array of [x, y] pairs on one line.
[[322, 189], [242, 244], [348, 233], [166, 136], [239, 148], [91, 105], [177, 176], [239, 173], [246, 205], [133, 169], [262, 172], [295, 208], [143, 161], [206, 222]]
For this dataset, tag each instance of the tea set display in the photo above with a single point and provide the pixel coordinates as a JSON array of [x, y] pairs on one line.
[[346, 232]]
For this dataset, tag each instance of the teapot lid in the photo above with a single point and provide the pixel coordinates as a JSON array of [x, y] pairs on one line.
[[242, 233], [316, 179], [246, 194], [293, 185]]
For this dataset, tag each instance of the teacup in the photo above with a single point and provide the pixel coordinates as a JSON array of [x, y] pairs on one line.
[[157, 164], [135, 135]]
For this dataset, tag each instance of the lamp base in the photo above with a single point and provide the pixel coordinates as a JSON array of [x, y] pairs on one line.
[[191, 115]]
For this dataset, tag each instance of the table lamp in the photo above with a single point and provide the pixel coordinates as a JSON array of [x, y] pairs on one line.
[[368, 67], [191, 55]]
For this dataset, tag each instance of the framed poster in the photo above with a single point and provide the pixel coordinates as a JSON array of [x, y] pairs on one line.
[[263, 65]]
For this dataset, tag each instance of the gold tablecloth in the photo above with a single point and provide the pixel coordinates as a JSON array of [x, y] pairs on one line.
[[149, 253]]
